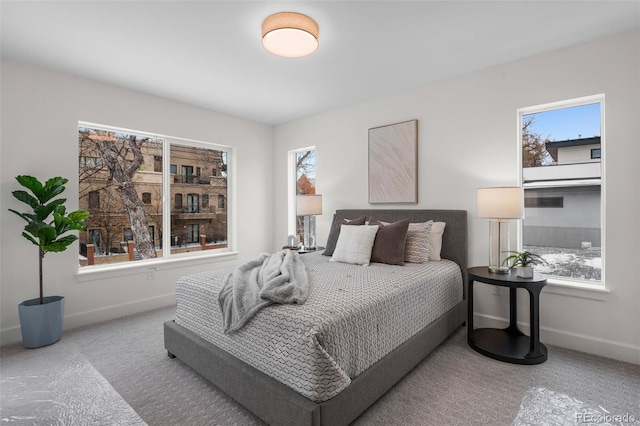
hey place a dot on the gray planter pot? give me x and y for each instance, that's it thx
(524, 271)
(41, 325)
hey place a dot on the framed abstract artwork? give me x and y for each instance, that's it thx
(393, 163)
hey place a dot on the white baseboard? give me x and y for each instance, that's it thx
(13, 335)
(566, 339)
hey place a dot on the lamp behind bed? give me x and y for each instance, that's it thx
(309, 206)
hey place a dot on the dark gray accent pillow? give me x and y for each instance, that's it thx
(390, 242)
(334, 232)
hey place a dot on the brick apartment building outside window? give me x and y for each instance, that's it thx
(121, 182)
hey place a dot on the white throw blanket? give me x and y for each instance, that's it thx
(269, 278)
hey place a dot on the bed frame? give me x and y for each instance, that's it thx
(276, 403)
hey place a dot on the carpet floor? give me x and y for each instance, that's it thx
(453, 385)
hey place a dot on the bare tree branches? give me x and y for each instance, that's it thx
(121, 156)
(534, 151)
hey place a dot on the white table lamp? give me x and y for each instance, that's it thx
(309, 206)
(499, 204)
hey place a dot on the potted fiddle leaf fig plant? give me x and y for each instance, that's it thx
(48, 224)
(523, 261)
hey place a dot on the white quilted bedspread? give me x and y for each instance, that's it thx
(355, 315)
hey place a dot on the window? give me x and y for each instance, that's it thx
(305, 181)
(193, 203)
(91, 162)
(193, 233)
(114, 161)
(187, 174)
(94, 200)
(562, 179)
(214, 172)
(209, 222)
(532, 201)
(221, 201)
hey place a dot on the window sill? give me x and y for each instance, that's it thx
(576, 289)
(129, 268)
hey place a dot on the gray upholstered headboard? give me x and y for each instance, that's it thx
(454, 239)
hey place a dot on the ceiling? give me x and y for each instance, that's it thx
(209, 53)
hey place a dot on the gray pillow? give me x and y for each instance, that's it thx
(390, 242)
(334, 232)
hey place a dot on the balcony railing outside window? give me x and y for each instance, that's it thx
(192, 179)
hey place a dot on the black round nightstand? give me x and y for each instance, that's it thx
(508, 344)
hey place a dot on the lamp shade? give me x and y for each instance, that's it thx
(308, 205)
(290, 34)
(505, 202)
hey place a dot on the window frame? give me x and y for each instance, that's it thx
(194, 257)
(571, 283)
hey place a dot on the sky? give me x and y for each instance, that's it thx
(568, 123)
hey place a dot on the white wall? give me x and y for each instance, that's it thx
(40, 114)
(577, 154)
(468, 139)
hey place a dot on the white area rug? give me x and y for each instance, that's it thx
(71, 393)
(541, 406)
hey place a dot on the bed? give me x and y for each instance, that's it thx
(347, 377)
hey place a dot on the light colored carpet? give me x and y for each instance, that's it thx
(454, 385)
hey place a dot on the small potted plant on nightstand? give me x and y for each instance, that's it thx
(41, 318)
(523, 261)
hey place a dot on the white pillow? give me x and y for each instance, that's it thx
(416, 248)
(354, 244)
(435, 240)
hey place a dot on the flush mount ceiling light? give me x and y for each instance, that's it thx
(290, 34)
